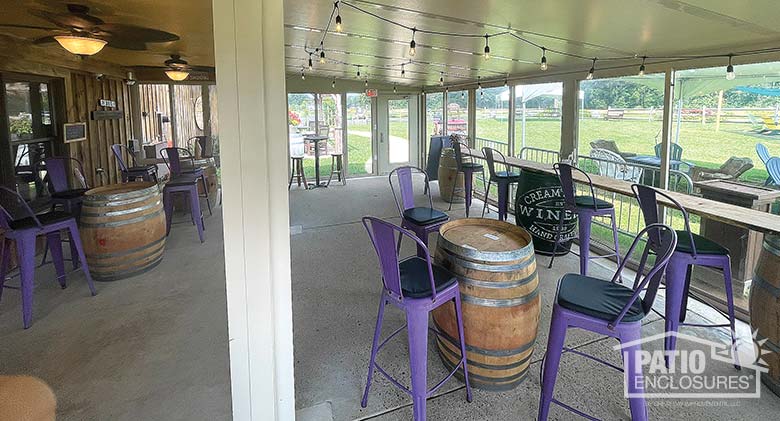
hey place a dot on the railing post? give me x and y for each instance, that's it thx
(666, 136)
(511, 116)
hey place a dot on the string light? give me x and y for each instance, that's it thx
(479, 87)
(338, 18)
(366, 83)
(395, 91)
(592, 70)
(358, 72)
(730, 75)
(506, 80)
(403, 71)
(441, 79)
(303, 75)
(413, 45)
(310, 63)
(322, 54)
(462, 94)
(543, 62)
(642, 67)
(487, 48)
(333, 84)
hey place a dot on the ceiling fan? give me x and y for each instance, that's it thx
(84, 34)
(179, 69)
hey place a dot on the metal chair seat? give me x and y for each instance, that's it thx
(414, 278)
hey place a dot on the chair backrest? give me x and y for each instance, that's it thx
(609, 145)
(490, 157)
(324, 131)
(565, 173)
(118, 150)
(647, 197)
(172, 157)
(383, 237)
(675, 149)
(614, 166)
(405, 183)
(667, 241)
(773, 168)
(459, 144)
(736, 166)
(57, 172)
(762, 152)
(13, 207)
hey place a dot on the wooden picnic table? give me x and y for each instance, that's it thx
(727, 213)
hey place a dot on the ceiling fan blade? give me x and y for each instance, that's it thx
(45, 40)
(138, 33)
(125, 44)
(68, 20)
(206, 69)
(17, 26)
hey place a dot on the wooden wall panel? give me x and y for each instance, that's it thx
(185, 97)
(154, 98)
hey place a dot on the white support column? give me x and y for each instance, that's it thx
(569, 117)
(666, 133)
(472, 117)
(444, 116)
(250, 62)
(511, 117)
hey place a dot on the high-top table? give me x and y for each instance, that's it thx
(316, 139)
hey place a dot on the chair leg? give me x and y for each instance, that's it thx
(372, 360)
(675, 281)
(503, 193)
(168, 206)
(417, 329)
(551, 361)
(206, 193)
(730, 303)
(75, 239)
(487, 192)
(633, 372)
(584, 231)
(467, 187)
(25, 251)
(54, 241)
(74, 255)
(340, 166)
(462, 340)
(332, 168)
(196, 213)
(615, 236)
(557, 237)
(5, 255)
(292, 175)
(452, 192)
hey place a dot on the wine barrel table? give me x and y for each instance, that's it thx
(539, 207)
(765, 307)
(496, 270)
(448, 175)
(122, 228)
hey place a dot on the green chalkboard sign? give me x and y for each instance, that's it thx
(75, 132)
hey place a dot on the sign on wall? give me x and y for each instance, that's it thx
(371, 93)
(74, 132)
(108, 103)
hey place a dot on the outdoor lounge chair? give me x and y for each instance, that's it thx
(611, 146)
(730, 170)
(614, 166)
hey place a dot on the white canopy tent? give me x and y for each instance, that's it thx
(525, 93)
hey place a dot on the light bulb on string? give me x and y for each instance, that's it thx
(310, 63)
(395, 91)
(441, 79)
(730, 75)
(486, 56)
(403, 71)
(338, 18)
(358, 72)
(591, 71)
(506, 81)
(412, 44)
(333, 84)
(479, 87)
(462, 94)
(366, 83)
(543, 62)
(303, 75)
(322, 54)
(642, 67)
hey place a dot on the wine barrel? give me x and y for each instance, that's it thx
(538, 209)
(122, 227)
(765, 308)
(209, 170)
(448, 175)
(496, 269)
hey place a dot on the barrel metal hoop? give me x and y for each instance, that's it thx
(500, 302)
(151, 190)
(490, 268)
(516, 378)
(487, 256)
(117, 203)
(126, 252)
(153, 248)
(497, 284)
(115, 276)
(483, 365)
(759, 281)
(121, 212)
(123, 222)
(488, 352)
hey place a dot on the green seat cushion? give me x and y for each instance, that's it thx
(587, 202)
(598, 298)
(703, 245)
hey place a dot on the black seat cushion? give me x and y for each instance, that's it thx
(45, 218)
(472, 166)
(703, 245)
(415, 282)
(587, 202)
(510, 175)
(147, 168)
(425, 216)
(598, 298)
(183, 180)
(69, 194)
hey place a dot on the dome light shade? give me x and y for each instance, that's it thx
(82, 46)
(177, 75)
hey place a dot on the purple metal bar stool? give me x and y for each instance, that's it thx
(586, 207)
(188, 186)
(607, 308)
(22, 226)
(172, 158)
(416, 287)
(502, 179)
(421, 220)
(692, 249)
(468, 168)
(147, 173)
(59, 186)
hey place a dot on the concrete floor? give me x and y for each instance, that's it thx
(151, 347)
(336, 287)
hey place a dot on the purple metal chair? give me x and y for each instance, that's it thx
(21, 225)
(586, 207)
(468, 167)
(502, 179)
(692, 249)
(416, 287)
(607, 308)
(62, 194)
(147, 173)
(421, 220)
(173, 157)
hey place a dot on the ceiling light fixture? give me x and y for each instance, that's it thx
(543, 63)
(486, 56)
(413, 45)
(642, 67)
(177, 75)
(83, 46)
(730, 75)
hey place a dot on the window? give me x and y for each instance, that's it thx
(360, 147)
(538, 121)
(458, 113)
(492, 121)
(434, 114)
